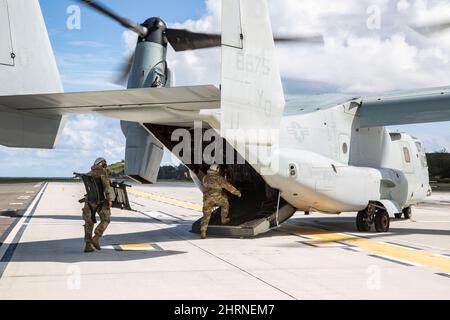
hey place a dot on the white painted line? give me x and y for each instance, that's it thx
(317, 244)
(37, 185)
(10, 238)
(442, 256)
(16, 204)
(29, 192)
(398, 260)
(23, 198)
(400, 246)
(432, 221)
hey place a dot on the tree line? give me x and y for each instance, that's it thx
(438, 166)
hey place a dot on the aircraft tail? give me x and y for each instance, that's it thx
(252, 93)
(27, 66)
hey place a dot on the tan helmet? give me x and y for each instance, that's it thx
(98, 161)
(214, 168)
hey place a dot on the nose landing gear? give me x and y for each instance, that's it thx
(374, 214)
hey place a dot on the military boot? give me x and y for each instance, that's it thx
(203, 234)
(88, 247)
(96, 242)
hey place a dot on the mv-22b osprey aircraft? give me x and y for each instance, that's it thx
(326, 153)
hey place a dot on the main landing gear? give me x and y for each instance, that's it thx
(406, 213)
(373, 215)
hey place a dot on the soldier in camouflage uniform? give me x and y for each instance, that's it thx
(104, 209)
(214, 196)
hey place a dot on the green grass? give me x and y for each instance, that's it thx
(116, 167)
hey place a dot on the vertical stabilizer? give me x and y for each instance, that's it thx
(27, 62)
(252, 92)
(27, 66)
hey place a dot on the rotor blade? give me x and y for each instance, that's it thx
(429, 29)
(300, 39)
(125, 71)
(140, 30)
(182, 40)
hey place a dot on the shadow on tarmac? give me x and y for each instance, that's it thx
(113, 219)
(347, 224)
(71, 250)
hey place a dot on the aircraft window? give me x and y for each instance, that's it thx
(419, 146)
(407, 155)
(424, 160)
(345, 148)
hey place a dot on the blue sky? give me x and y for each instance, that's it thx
(87, 60)
(380, 60)
(98, 44)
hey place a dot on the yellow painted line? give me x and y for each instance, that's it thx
(413, 256)
(136, 246)
(166, 200)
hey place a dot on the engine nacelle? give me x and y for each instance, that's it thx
(143, 153)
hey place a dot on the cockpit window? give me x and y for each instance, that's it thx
(407, 155)
(419, 146)
(422, 155)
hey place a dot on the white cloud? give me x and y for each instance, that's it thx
(89, 44)
(354, 59)
(83, 140)
(129, 40)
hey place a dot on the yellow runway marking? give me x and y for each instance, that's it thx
(413, 256)
(326, 238)
(166, 200)
(136, 246)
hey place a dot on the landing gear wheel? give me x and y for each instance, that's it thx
(382, 221)
(407, 213)
(398, 216)
(362, 222)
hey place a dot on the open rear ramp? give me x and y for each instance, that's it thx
(258, 210)
(247, 223)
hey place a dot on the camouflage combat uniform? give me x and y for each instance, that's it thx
(213, 197)
(104, 211)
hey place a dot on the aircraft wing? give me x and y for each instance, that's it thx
(409, 107)
(180, 98)
(34, 121)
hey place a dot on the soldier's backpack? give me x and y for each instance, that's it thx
(95, 192)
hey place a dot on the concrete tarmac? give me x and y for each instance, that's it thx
(14, 199)
(151, 254)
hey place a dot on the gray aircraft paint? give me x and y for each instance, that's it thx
(31, 70)
(313, 130)
(143, 152)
